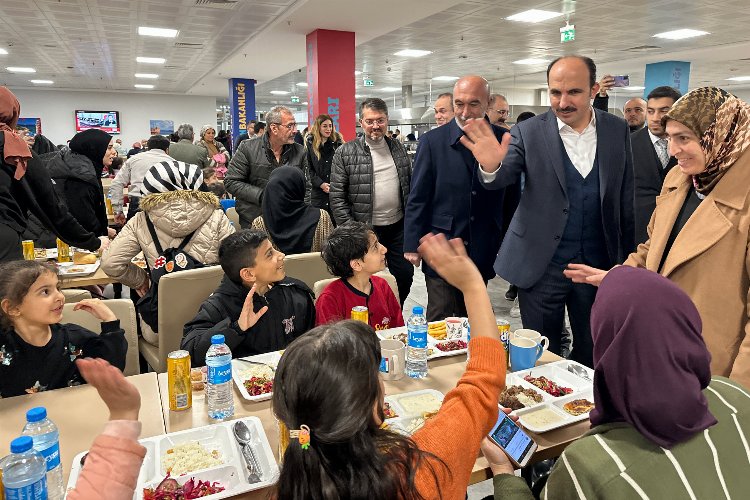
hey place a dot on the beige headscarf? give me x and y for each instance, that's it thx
(722, 123)
(15, 151)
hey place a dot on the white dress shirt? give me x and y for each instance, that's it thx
(581, 148)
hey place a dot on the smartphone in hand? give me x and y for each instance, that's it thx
(622, 81)
(512, 440)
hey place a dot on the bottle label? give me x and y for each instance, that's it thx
(52, 456)
(384, 365)
(418, 339)
(181, 401)
(219, 374)
(35, 491)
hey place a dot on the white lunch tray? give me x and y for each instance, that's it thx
(239, 369)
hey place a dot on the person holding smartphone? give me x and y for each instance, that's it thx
(662, 426)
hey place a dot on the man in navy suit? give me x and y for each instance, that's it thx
(448, 197)
(577, 205)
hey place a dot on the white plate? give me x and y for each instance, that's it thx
(232, 474)
(395, 401)
(511, 379)
(68, 270)
(562, 378)
(437, 353)
(239, 368)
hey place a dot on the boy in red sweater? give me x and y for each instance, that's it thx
(353, 253)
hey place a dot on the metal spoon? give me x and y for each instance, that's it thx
(244, 436)
(579, 371)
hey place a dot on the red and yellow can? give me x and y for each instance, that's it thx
(360, 313)
(28, 249)
(178, 378)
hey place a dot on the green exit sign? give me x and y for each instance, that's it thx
(368, 83)
(295, 99)
(567, 33)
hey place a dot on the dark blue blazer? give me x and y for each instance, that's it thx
(539, 221)
(447, 197)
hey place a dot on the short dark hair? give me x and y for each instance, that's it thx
(258, 126)
(586, 60)
(525, 116)
(158, 142)
(238, 251)
(375, 104)
(664, 91)
(446, 94)
(347, 242)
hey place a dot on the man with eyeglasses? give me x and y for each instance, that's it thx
(448, 197)
(370, 179)
(254, 160)
(499, 111)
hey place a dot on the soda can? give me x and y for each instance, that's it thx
(178, 377)
(503, 328)
(110, 210)
(28, 249)
(63, 251)
(360, 313)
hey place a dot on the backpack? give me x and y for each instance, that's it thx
(171, 260)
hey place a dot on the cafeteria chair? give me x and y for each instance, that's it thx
(307, 267)
(180, 296)
(73, 295)
(322, 284)
(125, 312)
(234, 217)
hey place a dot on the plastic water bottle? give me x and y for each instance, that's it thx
(416, 351)
(46, 439)
(24, 471)
(219, 380)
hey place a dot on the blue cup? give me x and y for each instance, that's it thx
(524, 353)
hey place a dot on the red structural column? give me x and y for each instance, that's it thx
(330, 78)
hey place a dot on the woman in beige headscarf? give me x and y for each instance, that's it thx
(217, 153)
(700, 230)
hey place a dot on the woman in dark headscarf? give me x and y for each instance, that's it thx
(292, 225)
(700, 230)
(77, 174)
(25, 187)
(661, 427)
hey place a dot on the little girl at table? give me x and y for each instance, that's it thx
(37, 352)
(328, 392)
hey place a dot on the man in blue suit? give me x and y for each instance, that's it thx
(448, 197)
(577, 205)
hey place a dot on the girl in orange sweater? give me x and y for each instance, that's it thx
(328, 382)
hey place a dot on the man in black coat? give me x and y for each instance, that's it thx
(651, 160)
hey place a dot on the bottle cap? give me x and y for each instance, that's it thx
(36, 414)
(417, 310)
(21, 444)
(217, 339)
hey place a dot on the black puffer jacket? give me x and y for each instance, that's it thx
(249, 169)
(352, 178)
(320, 170)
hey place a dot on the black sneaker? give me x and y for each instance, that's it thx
(512, 293)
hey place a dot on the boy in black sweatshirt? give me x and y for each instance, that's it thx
(257, 307)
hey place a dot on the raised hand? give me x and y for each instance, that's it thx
(120, 396)
(96, 308)
(480, 139)
(248, 317)
(449, 260)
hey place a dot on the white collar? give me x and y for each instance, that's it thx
(592, 124)
(654, 138)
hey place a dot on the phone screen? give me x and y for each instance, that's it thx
(622, 81)
(511, 438)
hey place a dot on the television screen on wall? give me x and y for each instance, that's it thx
(109, 121)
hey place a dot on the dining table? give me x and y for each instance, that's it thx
(80, 415)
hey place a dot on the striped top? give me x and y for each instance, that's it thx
(614, 461)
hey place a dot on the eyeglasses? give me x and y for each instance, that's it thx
(379, 121)
(502, 112)
(289, 126)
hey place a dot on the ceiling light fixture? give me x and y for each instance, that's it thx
(357, 73)
(305, 103)
(3, 51)
(279, 92)
(680, 34)
(42, 82)
(534, 16)
(630, 88)
(162, 32)
(302, 84)
(16, 69)
(390, 89)
(151, 76)
(445, 78)
(530, 61)
(357, 96)
(150, 60)
(143, 86)
(412, 53)
(739, 79)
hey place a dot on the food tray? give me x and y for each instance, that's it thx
(433, 352)
(394, 401)
(239, 369)
(232, 474)
(552, 405)
(68, 270)
(513, 379)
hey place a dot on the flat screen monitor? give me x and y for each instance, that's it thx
(109, 121)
